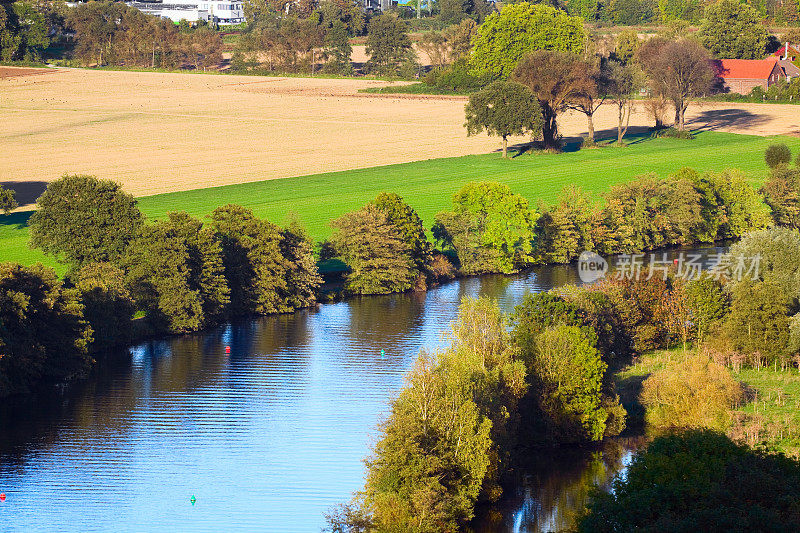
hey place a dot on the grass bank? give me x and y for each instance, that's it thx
(771, 413)
(429, 185)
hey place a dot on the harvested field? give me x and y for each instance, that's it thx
(18, 72)
(158, 132)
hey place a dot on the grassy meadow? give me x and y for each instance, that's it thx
(428, 185)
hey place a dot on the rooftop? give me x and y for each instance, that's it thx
(750, 69)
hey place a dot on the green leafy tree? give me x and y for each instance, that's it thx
(567, 373)
(505, 37)
(699, 477)
(406, 219)
(388, 45)
(733, 30)
(44, 338)
(491, 229)
(709, 304)
(568, 227)
(503, 108)
(24, 32)
(776, 250)
(337, 49)
(81, 220)
(758, 321)
(375, 250)
(626, 46)
(303, 279)
(782, 193)
(8, 200)
(108, 304)
(255, 268)
(175, 271)
(559, 80)
(672, 11)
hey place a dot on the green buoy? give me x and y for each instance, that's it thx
(193, 499)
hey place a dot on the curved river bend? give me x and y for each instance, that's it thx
(266, 438)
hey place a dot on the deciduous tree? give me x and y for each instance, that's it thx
(732, 30)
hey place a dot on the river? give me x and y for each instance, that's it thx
(264, 438)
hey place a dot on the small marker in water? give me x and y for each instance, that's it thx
(383, 354)
(227, 349)
(193, 499)
(2, 496)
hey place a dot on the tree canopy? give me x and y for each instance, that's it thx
(733, 30)
(505, 37)
(503, 108)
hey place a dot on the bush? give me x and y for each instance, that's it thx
(777, 155)
(81, 219)
(376, 252)
(693, 392)
(673, 133)
(699, 479)
(458, 78)
(43, 335)
(490, 229)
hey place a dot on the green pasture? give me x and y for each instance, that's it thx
(429, 185)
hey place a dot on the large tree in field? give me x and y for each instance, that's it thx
(678, 70)
(503, 108)
(84, 220)
(733, 30)
(520, 28)
(620, 86)
(557, 79)
(388, 44)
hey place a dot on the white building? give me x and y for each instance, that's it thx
(222, 12)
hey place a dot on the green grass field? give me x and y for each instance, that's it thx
(429, 185)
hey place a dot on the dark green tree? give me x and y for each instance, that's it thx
(503, 108)
(8, 200)
(43, 335)
(733, 30)
(376, 252)
(699, 478)
(758, 320)
(337, 49)
(388, 45)
(175, 271)
(303, 279)
(406, 219)
(81, 220)
(255, 268)
(108, 304)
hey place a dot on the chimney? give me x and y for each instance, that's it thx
(786, 51)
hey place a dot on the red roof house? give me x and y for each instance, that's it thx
(742, 75)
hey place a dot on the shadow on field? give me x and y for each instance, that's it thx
(27, 191)
(606, 137)
(726, 118)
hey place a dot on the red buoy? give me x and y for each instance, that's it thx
(227, 349)
(2, 496)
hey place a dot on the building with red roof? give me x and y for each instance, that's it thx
(742, 75)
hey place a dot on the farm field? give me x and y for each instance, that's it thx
(428, 185)
(164, 132)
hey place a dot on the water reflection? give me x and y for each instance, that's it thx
(266, 437)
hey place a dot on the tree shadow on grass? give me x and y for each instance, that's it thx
(604, 138)
(18, 220)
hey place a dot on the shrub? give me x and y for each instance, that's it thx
(376, 252)
(777, 155)
(43, 336)
(108, 304)
(782, 193)
(693, 392)
(81, 219)
(673, 133)
(176, 274)
(490, 229)
(699, 479)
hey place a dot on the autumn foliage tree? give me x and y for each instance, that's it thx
(557, 79)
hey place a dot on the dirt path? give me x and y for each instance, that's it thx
(159, 132)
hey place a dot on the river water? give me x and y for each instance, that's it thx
(265, 438)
